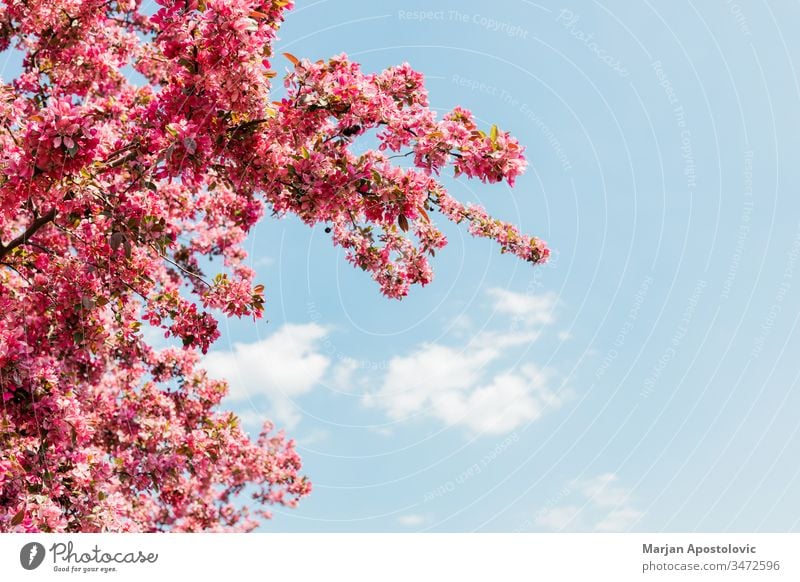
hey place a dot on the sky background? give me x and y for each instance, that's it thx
(646, 378)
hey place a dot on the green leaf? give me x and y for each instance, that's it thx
(190, 66)
(493, 134)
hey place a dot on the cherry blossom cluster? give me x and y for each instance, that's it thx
(370, 202)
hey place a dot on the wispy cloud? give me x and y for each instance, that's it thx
(533, 309)
(478, 384)
(411, 520)
(558, 518)
(618, 520)
(603, 490)
(596, 503)
(462, 385)
(277, 369)
(432, 372)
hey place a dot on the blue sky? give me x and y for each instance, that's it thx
(646, 378)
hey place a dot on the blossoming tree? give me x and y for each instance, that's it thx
(110, 192)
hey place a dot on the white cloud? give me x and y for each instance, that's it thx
(312, 437)
(558, 518)
(264, 262)
(456, 386)
(602, 505)
(602, 490)
(509, 401)
(411, 520)
(449, 384)
(619, 520)
(347, 376)
(281, 367)
(412, 380)
(459, 326)
(532, 309)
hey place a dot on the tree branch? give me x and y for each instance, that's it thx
(32, 229)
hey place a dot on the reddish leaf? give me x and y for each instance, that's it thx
(424, 214)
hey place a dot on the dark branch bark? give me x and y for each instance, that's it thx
(32, 229)
(116, 163)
